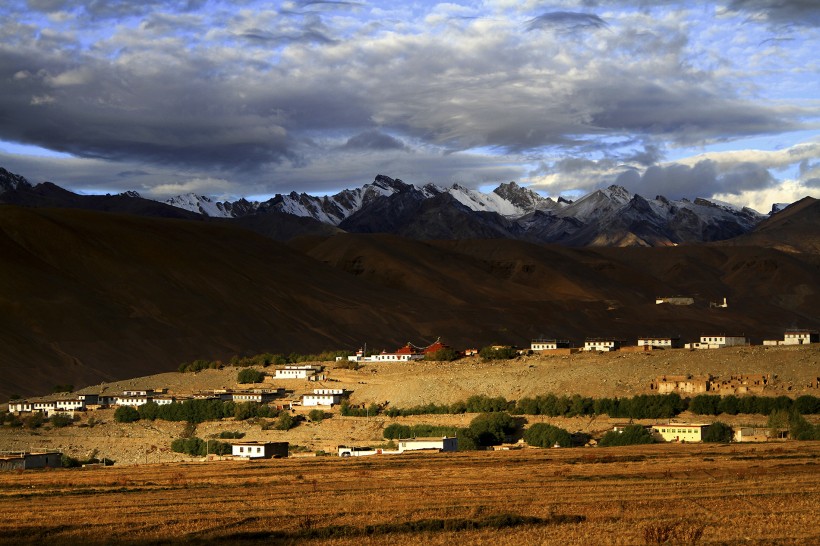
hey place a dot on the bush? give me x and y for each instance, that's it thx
(249, 375)
(718, 432)
(226, 434)
(198, 447)
(200, 364)
(60, 420)
(490, 429)
(35, 420)
(316, 415)
(396, 431)
(126, 414)
(285, 421)
(501, 353)
(446, 354)
(631, 435)
(544, 435)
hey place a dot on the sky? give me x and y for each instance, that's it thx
(249, 98)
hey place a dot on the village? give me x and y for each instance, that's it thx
(273, 391)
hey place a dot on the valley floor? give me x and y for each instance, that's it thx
(692, 494)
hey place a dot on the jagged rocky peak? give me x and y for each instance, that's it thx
(618, 193)
(387, 183)
(130, 193)
(519, 196)
(10, 181)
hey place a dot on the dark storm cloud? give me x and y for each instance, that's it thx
(704, 179)
(781, 12)
(566, 21)
(374, 140)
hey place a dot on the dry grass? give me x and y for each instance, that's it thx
(643, 495)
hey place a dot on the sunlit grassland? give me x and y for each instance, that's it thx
(734, 493)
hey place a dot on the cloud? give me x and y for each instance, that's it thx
(254, 93)
(801, 13)
(566, 21)
(374, 140)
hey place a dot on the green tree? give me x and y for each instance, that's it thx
(316, 415)
(249, 375)
(126, 414)
(490, 429)
(544, 435)
(631, 435)
(285, 421)
(445, 354)
(718, 432)
(60, 420)
(498, 353)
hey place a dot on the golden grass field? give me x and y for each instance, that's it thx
(704, 494)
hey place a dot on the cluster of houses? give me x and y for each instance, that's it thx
(701, 384)
(693, 432)
(403, 354)
(68, 404)
(648, 343)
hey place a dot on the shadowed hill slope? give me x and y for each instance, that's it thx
(89, 296)
(794, 229)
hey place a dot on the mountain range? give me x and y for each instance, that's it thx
(607, 217)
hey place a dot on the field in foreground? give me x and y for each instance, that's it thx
(761, 494)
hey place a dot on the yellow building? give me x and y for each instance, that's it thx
(678, 432)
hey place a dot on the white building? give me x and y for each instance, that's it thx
(20, 406)
(164, 400)
(677, 432)
(297, 372)
(137, 394)
(323, 397)
(801, 337)
(548, 344)
(718, 342)
(438, 444)
(675, 300)
(132, 400)
(70, 405)
(259, 450)
(660, 342)
(602, 344)
(261, 396)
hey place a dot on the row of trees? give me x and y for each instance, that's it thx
(198, 447)
(643, 406)
(708, 404)
(195, 411)
(262, 359)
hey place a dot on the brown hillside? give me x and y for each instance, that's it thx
(794, 229)
(88, 296)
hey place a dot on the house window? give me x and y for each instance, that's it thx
(259, 450)
(241, 449)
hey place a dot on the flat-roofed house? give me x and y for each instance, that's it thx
(660, 342)
(542, 344)
(261, 396)
(679, 432)
(437, 444)
(323, 397)
(259, 450)
(25, 460)
(297, 371)
(718, 342)
(801, 337)
(602, 344)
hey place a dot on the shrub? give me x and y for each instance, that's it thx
(347, 365)
(446, 354)
(226, 434)
(631, 435)
(396, 431)
(285, 421)
(60, 420)
(249, 375)
(544, 435)
(126, 414)
(316, 415)
(500, 353)
(490, 429)
(35, 420)
(718, 432)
